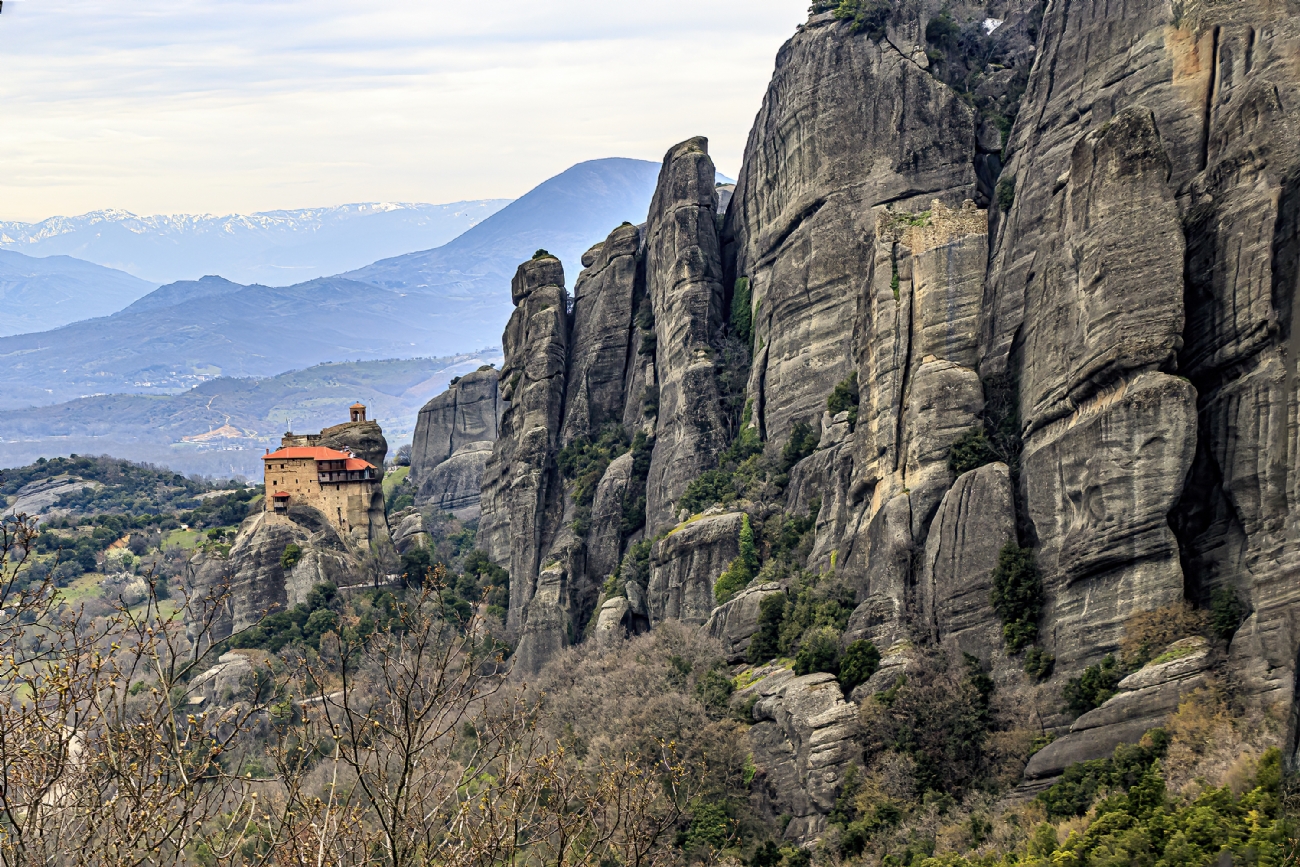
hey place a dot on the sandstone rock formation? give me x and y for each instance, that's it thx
(453, 435)
(804, 742)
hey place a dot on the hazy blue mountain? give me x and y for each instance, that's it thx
(565, 215)
(39, 294)
(222, 427)
(277, 248)
(449, 300)
(186, 333)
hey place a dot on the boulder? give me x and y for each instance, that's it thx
(975, 520)
(735, 622)
(455, 484)
(1145, 700)
(686, 564)
(804, 740)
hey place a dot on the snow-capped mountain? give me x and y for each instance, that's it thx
(274, 248)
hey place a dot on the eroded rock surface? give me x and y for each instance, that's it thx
(456, 423)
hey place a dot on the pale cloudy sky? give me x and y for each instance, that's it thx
(220, 106)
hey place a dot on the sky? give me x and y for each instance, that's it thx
(236, 106)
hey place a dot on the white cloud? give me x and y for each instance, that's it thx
(162, 106)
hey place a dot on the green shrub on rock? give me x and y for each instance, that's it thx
(860, 661)
(1095, 686)
(971, 451)
(845, 397)
(292, 554)
(818, 652)
(1017, 596)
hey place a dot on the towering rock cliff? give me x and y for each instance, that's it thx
(960, 319)
(453, 440)
(1085, 357)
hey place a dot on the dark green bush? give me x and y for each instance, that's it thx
(1079, 786)
(766, 643)
(712, 486)
(743, 569)
(942, 30)
(1227, 612)
(868, 16)
(939, 715)
(542, 254)
(1039, 663)
(860, 661)
(634, 497)
(1017, 596)
(971, 451)
(819, 651)
(742, 315)
(816, 601)
(844, 397)
(1006, 193)
(1095, 686)
(292, 554)
(802, 443)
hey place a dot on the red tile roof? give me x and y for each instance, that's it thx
(279, 495)
(297, 454)
(358, 464)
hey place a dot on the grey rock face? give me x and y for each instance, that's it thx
(685, 565)
(604, 543)
(735, 622)
(684, 280)
(466, 414)
(847, 124)
(976, 519)
(1145, 700)
(521, 482)
(1101, 486)
(603, 305)
(365, 439)
(252, 577)
(803, 745)
(455, 484)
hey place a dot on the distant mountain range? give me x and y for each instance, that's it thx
(222, 427)
(39, 294)
(444, 301)
(275, 248)
(566, 215)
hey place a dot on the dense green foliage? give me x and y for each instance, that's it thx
(971, 451)
(1081, 783)
(479, 581)
(303, 624)
(1017, 596)
(802, 443)
(542, 254)
(860, 661)
(742, 314)
(819, 651)
(127, 488)
(1095, 686)
(845, 397)
(1136, 821)
(868, 16)
(292, 554)
(634, 497)
(1227, 612)
(583, 463)
(766, 643)
(743, 569)
(1006, 193)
